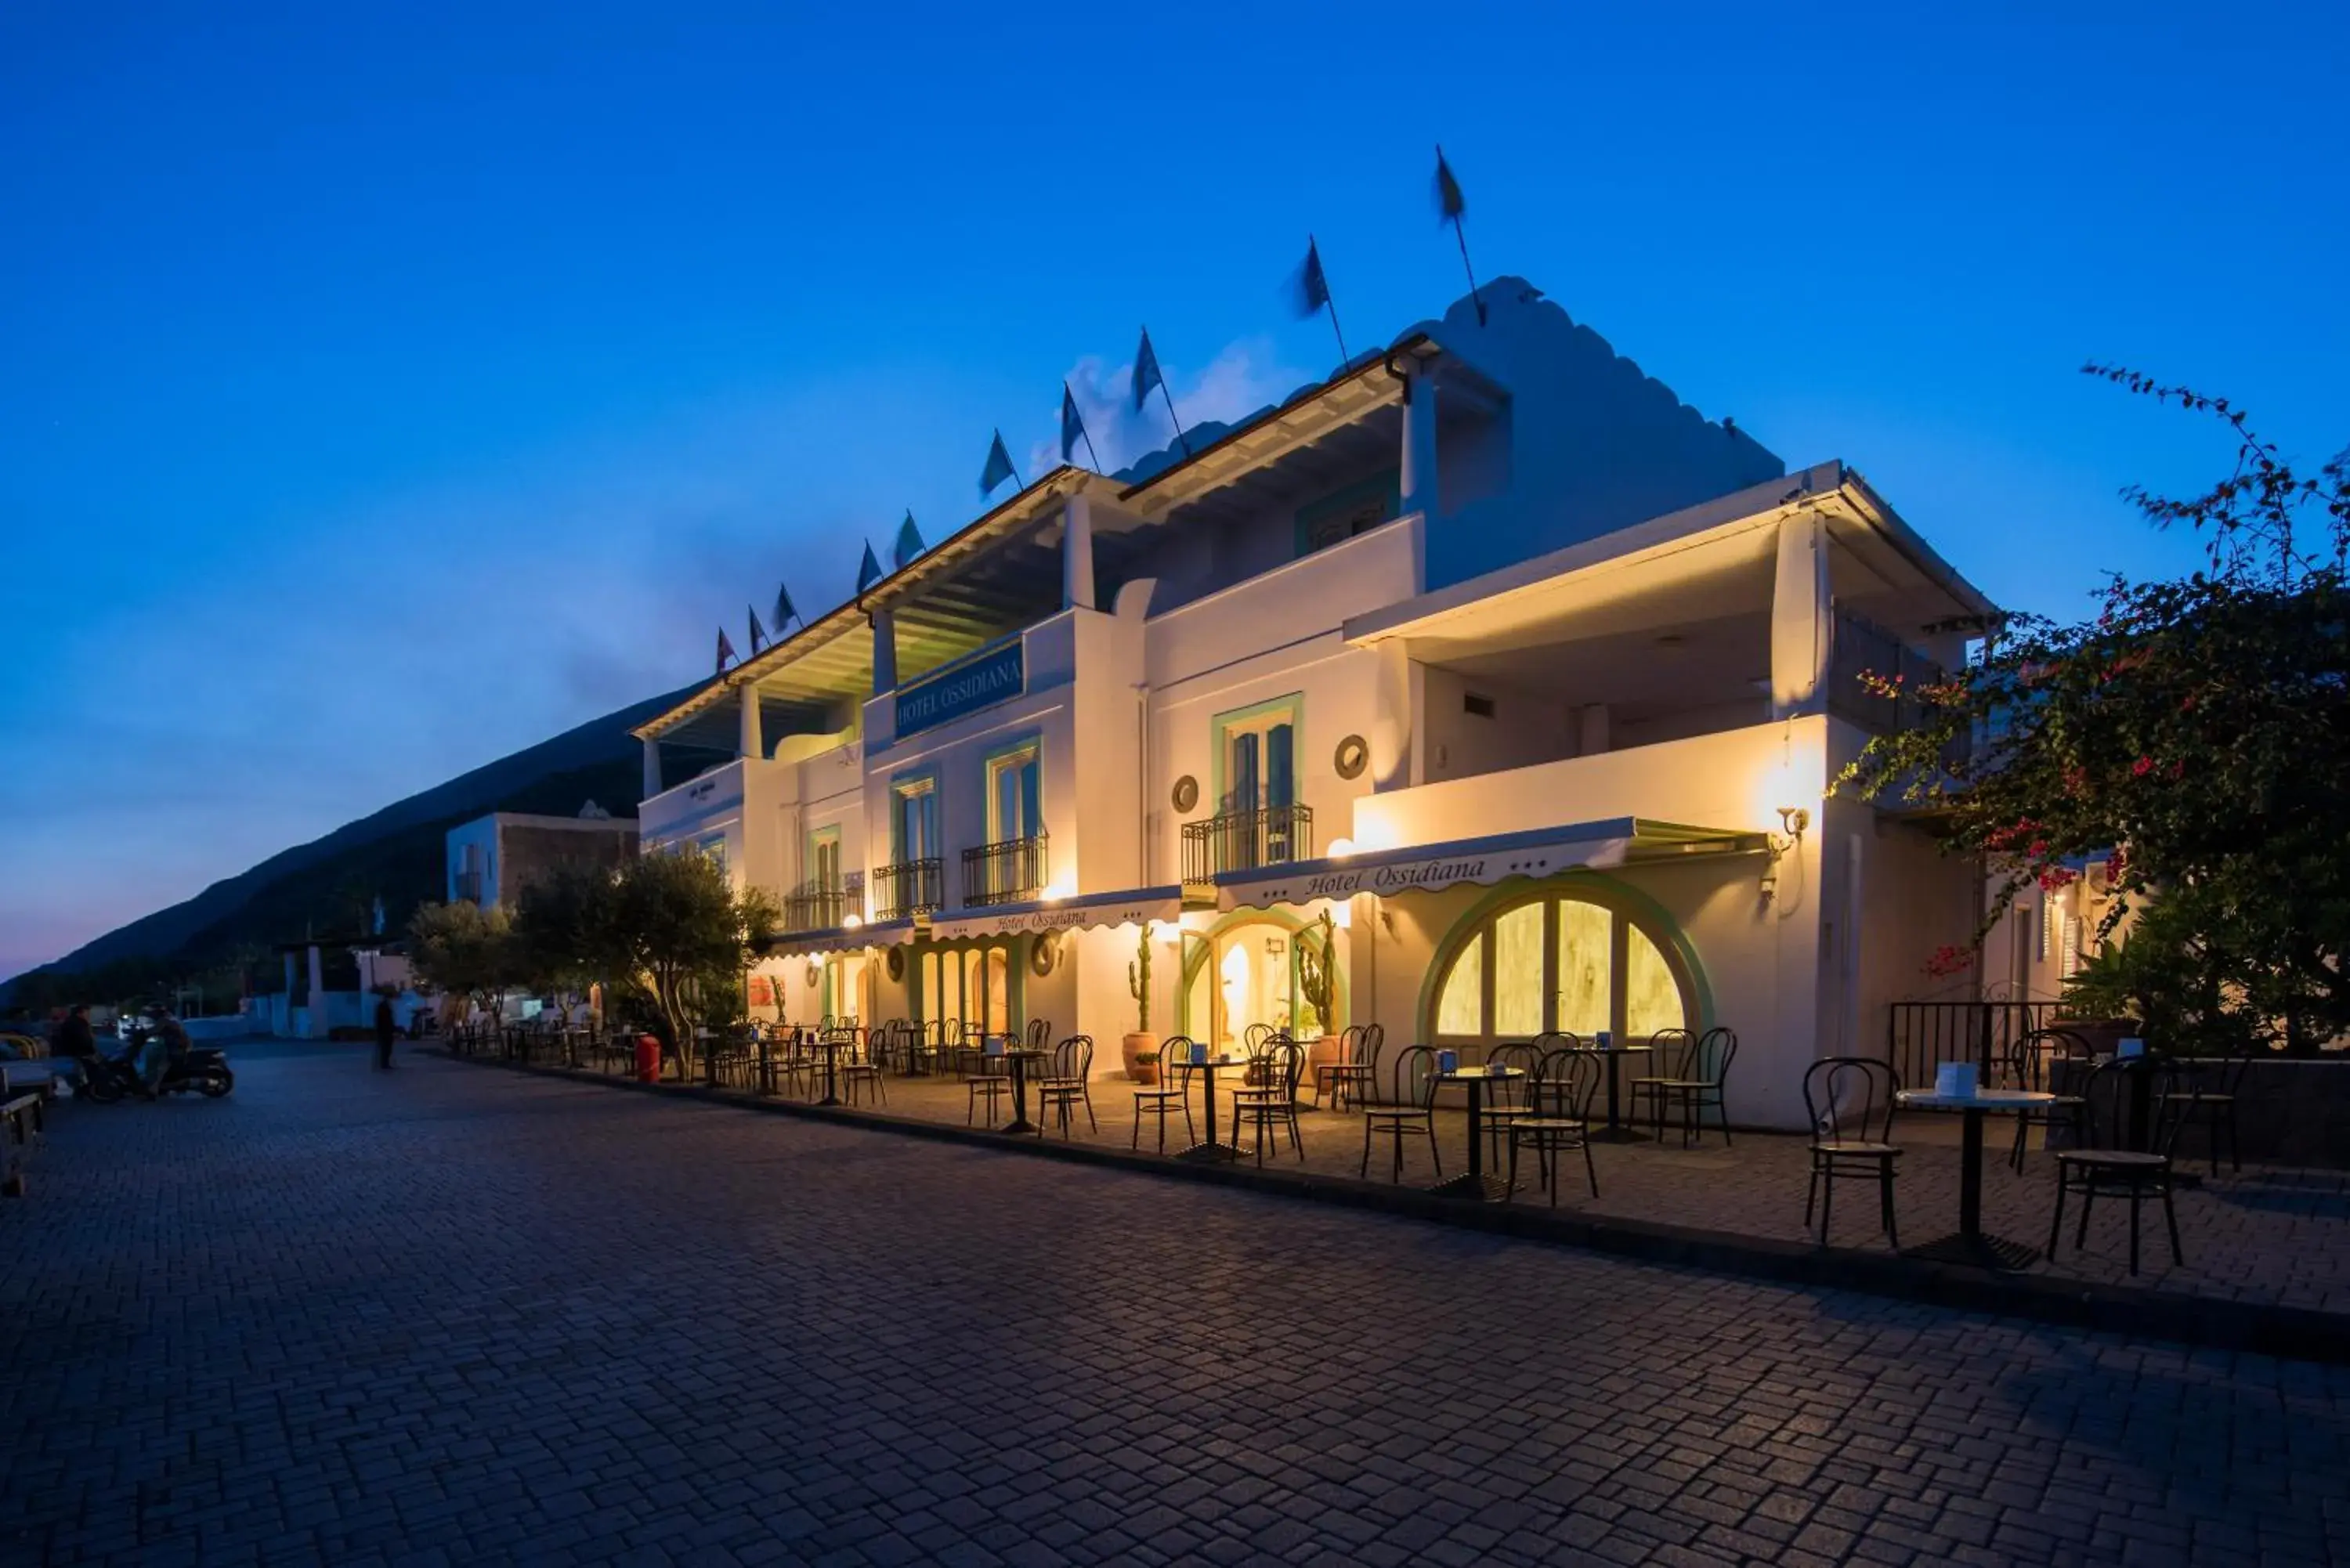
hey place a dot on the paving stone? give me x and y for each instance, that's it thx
(456, 1314)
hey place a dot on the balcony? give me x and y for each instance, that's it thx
(908, 888)
(1863, 648)
(1005, 873)
(1246, 840)
(822, 906)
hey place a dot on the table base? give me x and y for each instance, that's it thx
(1980, 1252)
(1474, 1189)
(1020, 1125)
(1208, 1154)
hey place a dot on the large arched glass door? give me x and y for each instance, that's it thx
(1559, 960)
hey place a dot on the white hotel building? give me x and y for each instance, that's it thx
(1530, 676)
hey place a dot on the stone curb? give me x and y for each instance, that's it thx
(2130, 1312)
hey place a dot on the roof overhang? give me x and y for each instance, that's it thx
(1624, 576)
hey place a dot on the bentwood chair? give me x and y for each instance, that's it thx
(2205, 1094)
(1171, 1096)
(1694, 1072)
(1273, 1102)
(1507, 1099)
(2101, 1170)
(1557, 1117)
(1068, 1083)
(1849, 1102)
(2048, 1061)
(986, 1080)
(1406, 1109)
(860, 1067)
(1336, 1077)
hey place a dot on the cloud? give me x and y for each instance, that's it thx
(1244, 376)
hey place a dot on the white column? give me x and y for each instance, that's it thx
(1419, 482)
(1395, 718)
(289, 977)
(753, 744)
(1801, 626)
(652, 779)
(885, 653)
(317, 994)
(1078, 553)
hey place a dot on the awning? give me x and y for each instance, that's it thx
(1134, 907)
(1542, 852)
(838, 938)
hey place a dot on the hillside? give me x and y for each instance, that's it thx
(396, 852)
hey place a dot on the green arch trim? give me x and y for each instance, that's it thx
(1612, 893)
(1198, 945)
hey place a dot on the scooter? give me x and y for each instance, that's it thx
(202, 1069)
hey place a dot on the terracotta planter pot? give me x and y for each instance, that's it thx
(1127, 1049)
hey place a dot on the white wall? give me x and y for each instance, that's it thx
(1761, 959)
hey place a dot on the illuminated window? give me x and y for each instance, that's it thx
(1564, 962)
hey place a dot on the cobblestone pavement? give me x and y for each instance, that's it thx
(2267, 1235)
(459, 1314)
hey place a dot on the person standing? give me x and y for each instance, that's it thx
(385, 1030)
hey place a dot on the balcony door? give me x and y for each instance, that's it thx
(1257, 750)
(914, 821)
(1015, 801)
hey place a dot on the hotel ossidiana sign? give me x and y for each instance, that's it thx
(966, 688)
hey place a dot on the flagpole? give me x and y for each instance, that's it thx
(1180, 436)
(1331, 300)
(1460, 233)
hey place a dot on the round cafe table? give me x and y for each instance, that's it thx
(1616, 1131)
(1971, 1243)
(1018, 1057)
(1208, 1152)
(1477, 1186)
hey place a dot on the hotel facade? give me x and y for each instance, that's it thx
(1486, 677)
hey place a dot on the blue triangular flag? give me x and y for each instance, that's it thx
(1073, 423)
(784, 611)
(999, 466)
(758, 632)
(868, 571)
(909, 542)
(725, 651)
(1312, 287)
(1146, 369)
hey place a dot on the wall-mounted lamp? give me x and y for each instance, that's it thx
(1795, 819)
(1341, 847)
(851, 920)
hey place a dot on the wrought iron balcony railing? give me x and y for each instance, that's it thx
(1244, 840)
(908, 888)
(822, 906)
(1005, 873)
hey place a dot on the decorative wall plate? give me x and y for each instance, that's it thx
(896, 964)
(1043, 953)
(1187, 792)
(1353, 755)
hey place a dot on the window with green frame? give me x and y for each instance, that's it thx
(823, 862)
(1256, 754)
(1016, 791)
(1561, 960)
(914, 819)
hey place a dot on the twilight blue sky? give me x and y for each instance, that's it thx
(385, 389)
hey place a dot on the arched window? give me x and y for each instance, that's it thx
(1560, 961)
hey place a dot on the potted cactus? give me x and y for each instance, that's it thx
(1317, 985)
(1140, 1049)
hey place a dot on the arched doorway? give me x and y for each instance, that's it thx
(1576, 953)
(1244, 971)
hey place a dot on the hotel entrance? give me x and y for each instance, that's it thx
(1245, 972)
(968, 985)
